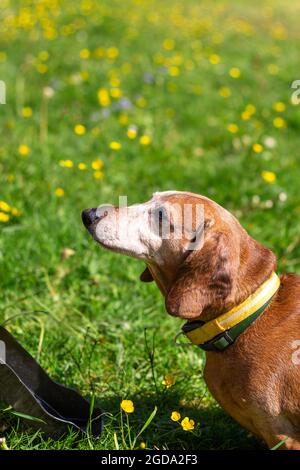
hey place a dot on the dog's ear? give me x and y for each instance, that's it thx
(206, 277)
(146, 276)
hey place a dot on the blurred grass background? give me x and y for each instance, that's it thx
(108, 98)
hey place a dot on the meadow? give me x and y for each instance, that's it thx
(108, 98)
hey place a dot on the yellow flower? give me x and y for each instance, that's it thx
(43, 55)
(4, 206)
(97, 164)
(141, 102)
(84, 74)
(279, 122)
(235, 72)
(123, 119)
(27, 112)
(273, 69)
(131, 132)
(82, 166)
(79, 129)
(142, 445)
(103, 97)
(115, 82)
(188, 424)
(116, 92)
(169, 380)
(4, 217)
(15, 212)
(251, 109)
(127, 406)
(224, 92)
(245, 116)
(169, 44)
(257, 148)
(174, 71)
(95, 131)
(42, 68)
(66, 163)
(175, 416)
(268, 176)
(85, 53)
(98, 175)
(214, 59)
(59, 192)
(279, 107)
(23, 150)
(233, 128)
(112, 52)
(99, 52)
(115, 145)
(145, 140)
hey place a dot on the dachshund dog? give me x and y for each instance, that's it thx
(208, 266)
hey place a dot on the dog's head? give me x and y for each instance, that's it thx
(201, 258)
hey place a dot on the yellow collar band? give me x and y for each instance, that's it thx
(255, 303)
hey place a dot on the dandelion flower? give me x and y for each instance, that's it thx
(224, 92)
(279, 107)
(123, 119)
(85, 53)
(4, 206)
(59, 192)
(42, 68)
(233, 128)
(43, 55)
(279, 122)
(145, 140)
(97, 164)
(235, 72)
(127, 406)
(141, 102)
(214, 59)
(175, 416)
(132, 132)
(66, 163)
(103, 97)
(27, 112)
(23, 150)
(98, 175)
(273, 69)
(257, 148)
(115, 145)
(174, 71)
(82, 166)
(116, 92)
(169, 44)
(188, 424)
(112, 52)
(268, 176)
(15, 212)
(169, 380)
(79, 129)
(4, 217)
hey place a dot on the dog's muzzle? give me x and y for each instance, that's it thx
(89, 217)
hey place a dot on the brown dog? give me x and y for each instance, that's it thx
(211, 268)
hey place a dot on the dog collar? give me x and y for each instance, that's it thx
(218, 334)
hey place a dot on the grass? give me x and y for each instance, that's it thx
(84, 317)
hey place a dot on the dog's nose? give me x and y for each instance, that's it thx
(88, 216)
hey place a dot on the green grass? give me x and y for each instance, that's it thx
(84, 318)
